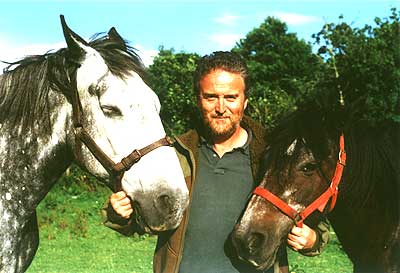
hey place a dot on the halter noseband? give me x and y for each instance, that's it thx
(117, 170)
(319, 203)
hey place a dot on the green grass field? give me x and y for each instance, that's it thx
(73, 239)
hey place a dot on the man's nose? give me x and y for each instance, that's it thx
(221, 105)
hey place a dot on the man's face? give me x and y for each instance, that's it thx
(222, 102)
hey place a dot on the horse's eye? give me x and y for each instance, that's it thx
(308, 168)
(111, 111)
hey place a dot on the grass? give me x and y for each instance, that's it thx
(73, 238)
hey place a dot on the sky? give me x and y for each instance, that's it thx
(192, 26)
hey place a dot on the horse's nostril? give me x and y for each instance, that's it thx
(163, 203)
(255, 242)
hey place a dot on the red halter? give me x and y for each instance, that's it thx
(318, 203)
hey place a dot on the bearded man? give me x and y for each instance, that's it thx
(221, 162)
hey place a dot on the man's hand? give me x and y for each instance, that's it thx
(301, 238)
(121, 204)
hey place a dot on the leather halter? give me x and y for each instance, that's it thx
(320, 202)
(116, 170)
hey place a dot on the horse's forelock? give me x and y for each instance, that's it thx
(120, 59)
(304, 126)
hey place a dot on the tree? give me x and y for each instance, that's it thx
(365, 66)
(171, 77)
(282, 70)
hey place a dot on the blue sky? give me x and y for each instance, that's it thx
(33, 27)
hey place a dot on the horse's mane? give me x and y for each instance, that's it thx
(372, 151)
(25, 84)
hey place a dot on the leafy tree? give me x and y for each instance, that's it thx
(282, 70)
(172, 79)
(365, 66)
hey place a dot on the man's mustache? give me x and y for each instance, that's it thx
(220, 116)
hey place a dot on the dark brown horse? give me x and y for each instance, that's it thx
(301, 162)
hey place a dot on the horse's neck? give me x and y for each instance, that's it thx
(29, 167)
(365, 228)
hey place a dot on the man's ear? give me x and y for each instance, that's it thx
(245, 103)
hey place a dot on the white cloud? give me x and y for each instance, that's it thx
(147, 55)
(227, 19)
(294, 18)
(225, 41)
(10, 52)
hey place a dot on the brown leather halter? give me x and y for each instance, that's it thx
(116, 170)
(319, 203)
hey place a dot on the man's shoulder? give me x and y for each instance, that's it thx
(189, 139)
(188, 135)
(257, 129)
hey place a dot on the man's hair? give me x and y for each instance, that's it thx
(225, 60)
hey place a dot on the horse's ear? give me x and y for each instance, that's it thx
(113, 35)
(74, 42)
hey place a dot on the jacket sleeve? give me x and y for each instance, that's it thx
(112, 220)
(322, 230)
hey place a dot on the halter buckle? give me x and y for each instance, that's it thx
(133, 158)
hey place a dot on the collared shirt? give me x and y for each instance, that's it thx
(220, 195)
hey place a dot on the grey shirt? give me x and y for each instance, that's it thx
(222, 189)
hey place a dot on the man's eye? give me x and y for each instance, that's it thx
(111, 111)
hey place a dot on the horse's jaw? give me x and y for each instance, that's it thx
(158, 190)
(254, 248)
(259, 234)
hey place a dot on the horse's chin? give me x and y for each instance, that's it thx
(154, 227)
(265, 265)
(262, 264)
(259, 262)
(153, 230)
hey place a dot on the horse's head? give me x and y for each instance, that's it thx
(120, 113)
(300, 161)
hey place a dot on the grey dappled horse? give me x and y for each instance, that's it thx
(87, 104)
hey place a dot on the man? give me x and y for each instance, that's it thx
(221, 160)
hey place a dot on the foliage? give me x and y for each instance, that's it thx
(367, 63)
(172, 79)
(362, 62)
(73, 185)
(282, 70)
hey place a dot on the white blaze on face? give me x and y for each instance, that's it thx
(291, 148)
(288, 195)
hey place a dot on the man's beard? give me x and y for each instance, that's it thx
(216, 130)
